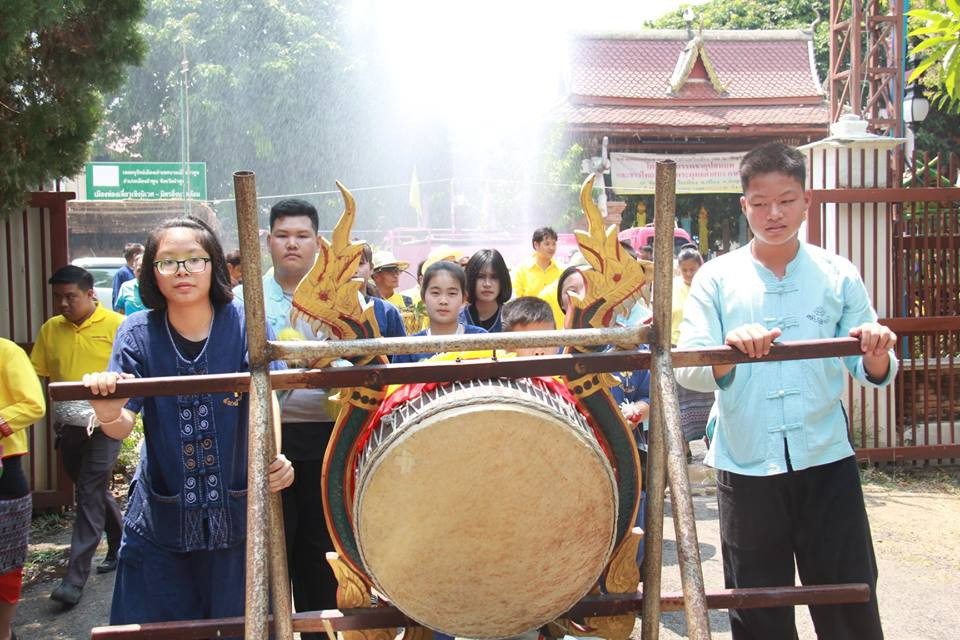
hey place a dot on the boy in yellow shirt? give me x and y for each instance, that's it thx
(540, 270)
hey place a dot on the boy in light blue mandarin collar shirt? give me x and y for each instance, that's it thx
(788, 484)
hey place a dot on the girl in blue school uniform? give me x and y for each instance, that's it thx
(182, 551)
(443, 292)
(488, 288)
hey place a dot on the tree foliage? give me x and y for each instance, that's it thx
(56, 59)
(269, 90)
(769, 14)
(938, 52)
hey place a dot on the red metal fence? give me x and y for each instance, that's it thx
(905, 239)
(33, 242)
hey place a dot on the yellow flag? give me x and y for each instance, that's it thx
(415, 200)
(704, 232)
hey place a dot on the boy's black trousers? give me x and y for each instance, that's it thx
(815, 517)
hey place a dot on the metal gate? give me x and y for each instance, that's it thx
(906, 242)
(33, 243)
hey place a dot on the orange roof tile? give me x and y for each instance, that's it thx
(815, 115)
(750, 64)
(766, 77)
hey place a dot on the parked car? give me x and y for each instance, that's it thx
(643, 236)
(103, 270)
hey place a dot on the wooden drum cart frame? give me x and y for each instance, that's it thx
(611, 615)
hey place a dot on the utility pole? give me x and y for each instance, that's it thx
(185, 127)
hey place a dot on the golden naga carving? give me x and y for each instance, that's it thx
(327, 303)
(623, 576)
(614, 274)
(352, 593)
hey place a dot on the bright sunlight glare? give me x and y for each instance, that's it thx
(480, 64)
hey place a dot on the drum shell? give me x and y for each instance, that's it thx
(485, 510)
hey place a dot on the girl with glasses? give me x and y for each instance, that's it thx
(182, 552)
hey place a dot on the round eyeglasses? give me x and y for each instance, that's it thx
(170, 266)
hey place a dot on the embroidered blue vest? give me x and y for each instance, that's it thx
(189, 491)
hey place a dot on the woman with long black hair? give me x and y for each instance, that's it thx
(488, 288)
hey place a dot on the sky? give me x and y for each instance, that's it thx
(489, 75)
(478, 65)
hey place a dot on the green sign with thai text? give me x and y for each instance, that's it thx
(145, 181)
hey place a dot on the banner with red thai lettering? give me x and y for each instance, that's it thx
(635, 173)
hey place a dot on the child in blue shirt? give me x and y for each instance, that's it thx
(443, 292)
(788, 486)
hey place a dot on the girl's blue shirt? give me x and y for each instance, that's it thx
(189, 489)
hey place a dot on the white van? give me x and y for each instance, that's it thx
(102, 270)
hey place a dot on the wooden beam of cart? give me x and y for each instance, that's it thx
(316, 349)
(591, 606)
(570, 365)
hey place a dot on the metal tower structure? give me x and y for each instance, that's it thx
(866, 62)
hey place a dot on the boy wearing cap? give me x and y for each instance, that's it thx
(386, 275)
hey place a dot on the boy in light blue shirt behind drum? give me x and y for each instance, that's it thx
(788, 486)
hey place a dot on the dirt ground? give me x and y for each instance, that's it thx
(916, 532)
(916, 536)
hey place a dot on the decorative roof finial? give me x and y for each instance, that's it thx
(688, 17)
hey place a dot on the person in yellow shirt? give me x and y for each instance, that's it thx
(77, 341)
(21, 404)
(689, 261)
(695, 406)
(386, 275)
(540, 270)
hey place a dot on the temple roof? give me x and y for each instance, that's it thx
(708, 79)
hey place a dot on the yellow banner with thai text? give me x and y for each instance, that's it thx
(635, 173)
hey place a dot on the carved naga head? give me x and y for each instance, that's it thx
(614, 280)
(327, 303)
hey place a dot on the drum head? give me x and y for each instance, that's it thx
(487, 519)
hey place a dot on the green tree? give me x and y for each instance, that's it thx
(769, 14)
(561, 178)
(938, 52)
(939, 134)
(56, 59)
(270, 89)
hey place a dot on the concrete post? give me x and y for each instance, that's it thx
(851, 158)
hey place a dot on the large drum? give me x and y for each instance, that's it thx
(484, 509)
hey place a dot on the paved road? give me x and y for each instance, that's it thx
(40, 618)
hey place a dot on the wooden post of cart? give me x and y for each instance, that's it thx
(666, 449)
(266, 552)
